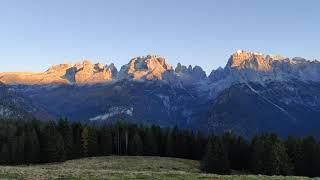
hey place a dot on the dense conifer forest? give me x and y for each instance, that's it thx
(30, 142)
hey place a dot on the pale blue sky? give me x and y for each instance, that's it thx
(37, 33)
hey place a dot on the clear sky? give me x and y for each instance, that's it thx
(37, 33)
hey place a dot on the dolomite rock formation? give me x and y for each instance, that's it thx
(242, 66)
(80, 73)
(248, 66)
(190, 74)
(150, 67)
(87, 73)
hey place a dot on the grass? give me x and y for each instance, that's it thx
(122, 167)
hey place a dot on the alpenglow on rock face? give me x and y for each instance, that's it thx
(242, 66)
(253, 93)
(93, 73)
(248, 66)
(150, 67)
(80, 73)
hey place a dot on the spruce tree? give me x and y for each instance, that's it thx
(32, 147)
(92, 141)
(14, 149)
(311, 157)
(52, 144)
(237, 149)
(84, 141)
(67, 134)
(136, 145)
(77, 141)
(170, 144)
(106, 141)
(269, 156)
(295, 153)
(200, 147)
(118, 137)
(4, 154)
(216, 158)
(150, 143)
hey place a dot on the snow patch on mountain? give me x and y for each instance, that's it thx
(242, 67)
(5, 112)
(113, 111)
(165, 100)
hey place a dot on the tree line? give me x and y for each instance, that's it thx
(28, 142)
(264, 154)
(25, 142)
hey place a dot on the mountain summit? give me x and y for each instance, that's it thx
(250, 66)
(241, 66)
(81, 73)
(149, 67)
(252, 60)
(253, 93)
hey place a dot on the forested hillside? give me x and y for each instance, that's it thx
(25, 142)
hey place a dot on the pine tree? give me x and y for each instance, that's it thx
(170, 144)
(52, 144)
(200, 147)
(77, 141)
(311, 157)
(216, 158)
(182, 147)
(84, 141)
(150, 143)
(241, 154)
(32, 147)
(269, 156)
(118, 137)
(92, 141)
(136, 146)
(4, 154)
(14, 149)
(67, 134)
(237, 149)
(106, 141)
(294, 151)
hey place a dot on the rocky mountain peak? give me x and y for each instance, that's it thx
(80, 73)
(190, 74)
(59, 68)
(146, 67)
(243, 59)
(217, 74)
(256, 67)
(242, 66)
(180, 68)
(87, 72)
(253, 60)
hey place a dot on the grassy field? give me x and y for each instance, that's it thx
(120, 167)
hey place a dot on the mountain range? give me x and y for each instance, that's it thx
(253, 93)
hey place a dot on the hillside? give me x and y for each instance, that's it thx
(120, 167)
(253, 93)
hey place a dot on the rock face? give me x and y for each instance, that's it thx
(248, 66)
(80, 73)
(87, 73)
(285, 108)
(151, 67)
(253, 93)
(216, 75)
(248, 60)
(190, 74)
(16, 106)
